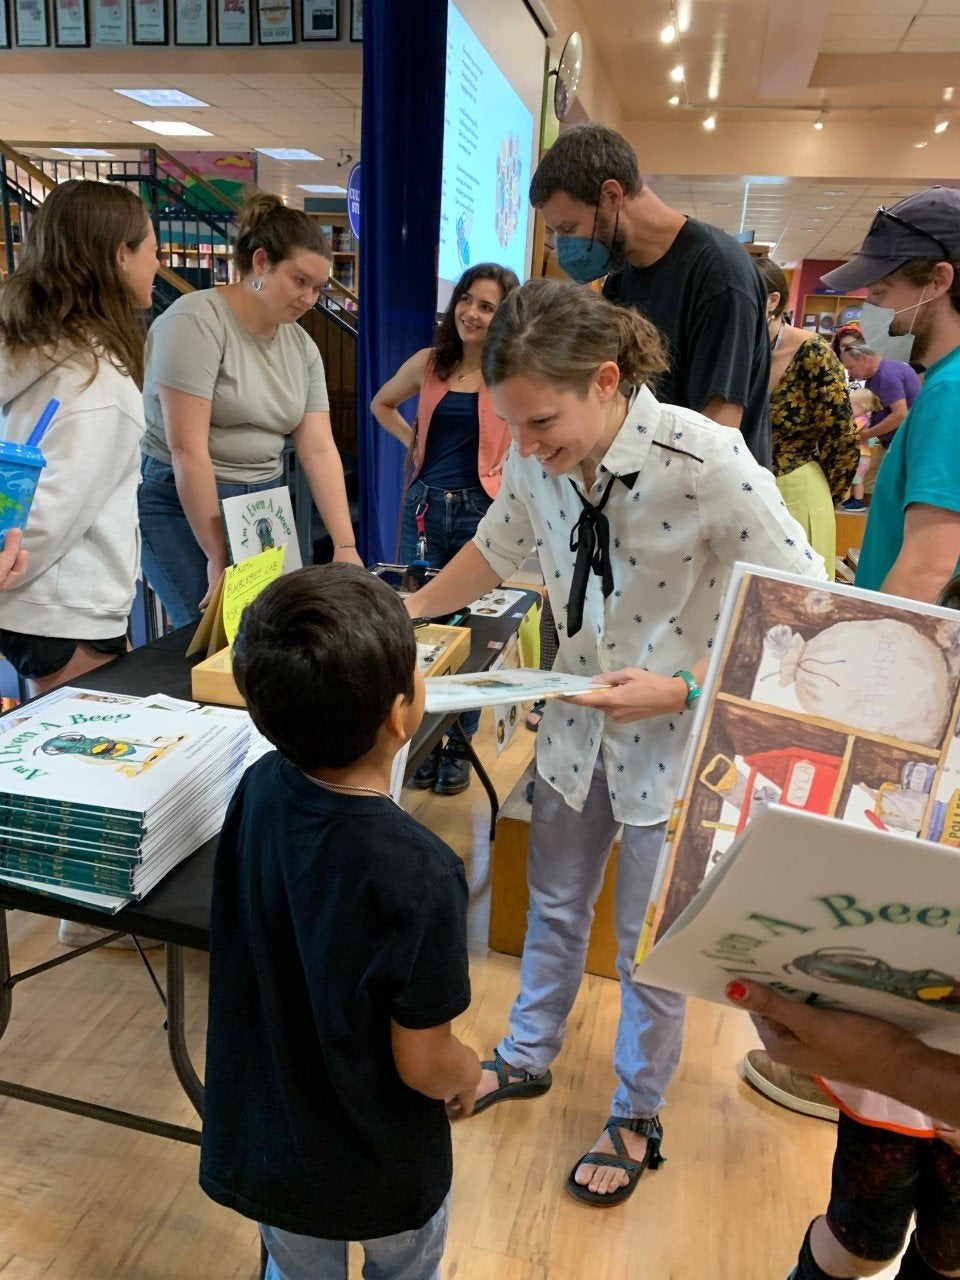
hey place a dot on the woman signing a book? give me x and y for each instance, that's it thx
(638, 511)
(457, 449)
(230, 375)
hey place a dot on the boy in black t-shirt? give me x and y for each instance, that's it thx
(338, 949)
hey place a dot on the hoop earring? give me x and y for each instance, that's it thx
(257, 286)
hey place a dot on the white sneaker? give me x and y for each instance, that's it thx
(73, 934)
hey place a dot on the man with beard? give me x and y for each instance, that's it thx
(910, 265)
(692, 280)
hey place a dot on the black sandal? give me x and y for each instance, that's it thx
(511, 1083)
(650, 1129)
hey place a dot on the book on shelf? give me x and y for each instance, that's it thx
(832, 712)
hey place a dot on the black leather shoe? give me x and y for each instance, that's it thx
(453, 776)
(424, 777)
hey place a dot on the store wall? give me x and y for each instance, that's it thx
(806, 279)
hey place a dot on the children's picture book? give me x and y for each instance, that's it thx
(102, 794)
(485, 689)
(255, 522)
(821, 698)
(833, 914)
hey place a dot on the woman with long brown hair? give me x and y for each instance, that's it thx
(457, 452)
(71, 329)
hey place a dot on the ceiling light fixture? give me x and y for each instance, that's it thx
(674, 101)
(823, 206)
(326, 189)
(676, 75)
(81, 153)
(918, 146)
(288, 153)
(668, 34)
(710, 123)
(948, 94)
(173, 128)
(942, 123)
(820, 120)
(162, 97)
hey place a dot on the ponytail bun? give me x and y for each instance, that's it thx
(266, 223)
(640, 350)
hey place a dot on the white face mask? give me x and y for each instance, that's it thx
(875, 324)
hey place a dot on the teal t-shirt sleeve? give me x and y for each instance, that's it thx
(932, 476)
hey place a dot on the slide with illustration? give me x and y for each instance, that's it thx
(487, 149)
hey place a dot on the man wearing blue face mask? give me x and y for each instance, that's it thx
(692, 280)
(910, 265)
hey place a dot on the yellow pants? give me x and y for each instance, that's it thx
(807, 496)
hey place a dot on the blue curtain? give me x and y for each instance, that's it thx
(401, 147)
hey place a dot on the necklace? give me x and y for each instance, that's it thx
(349, 786)
(461, 377)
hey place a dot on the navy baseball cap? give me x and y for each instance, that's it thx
(926, 225)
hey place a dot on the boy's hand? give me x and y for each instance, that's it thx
(461, 1104)
(636, 695)
(951, 1137)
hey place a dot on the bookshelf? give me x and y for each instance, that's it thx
(825, 311)
(344, 249)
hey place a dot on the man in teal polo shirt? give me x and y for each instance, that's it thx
(910, 265)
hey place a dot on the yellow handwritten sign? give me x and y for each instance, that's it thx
(243, 582)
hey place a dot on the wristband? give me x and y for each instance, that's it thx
(344, 546)
(693, 689)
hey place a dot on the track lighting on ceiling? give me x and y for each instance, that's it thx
(676, 75)
(820, 121)
(942, 123)
(668, 34)
(710, 122)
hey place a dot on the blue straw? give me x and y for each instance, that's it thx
(36, 435)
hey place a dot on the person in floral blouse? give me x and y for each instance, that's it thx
(816, 447)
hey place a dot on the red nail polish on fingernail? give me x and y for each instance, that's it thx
(736, 991)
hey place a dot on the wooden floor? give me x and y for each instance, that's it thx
(80, 1200)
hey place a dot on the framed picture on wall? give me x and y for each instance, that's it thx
(31, 19)
(319, 20)
(356, 20)
(275, 21)
(110, 22)
(4, 26)
(191, 22)
(149, 22)
(234, 22)
(70, 24)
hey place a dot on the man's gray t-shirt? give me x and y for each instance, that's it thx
(258, 388)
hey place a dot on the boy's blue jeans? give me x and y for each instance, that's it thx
(173, 561)
(411, 1255)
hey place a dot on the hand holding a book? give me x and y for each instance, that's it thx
(635, 694)
(859, 1050)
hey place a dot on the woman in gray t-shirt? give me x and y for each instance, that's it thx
(230, 374)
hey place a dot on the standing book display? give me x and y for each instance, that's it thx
(833, 714)
(101, 796)
(255, 522)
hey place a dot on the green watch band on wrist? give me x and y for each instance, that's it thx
(693, 689)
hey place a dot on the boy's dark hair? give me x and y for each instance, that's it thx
(580, 162)
(320, 657)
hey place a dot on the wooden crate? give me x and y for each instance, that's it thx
(212, 681)
(456, 647)
(509, 899)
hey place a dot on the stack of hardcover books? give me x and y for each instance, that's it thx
(102, 794)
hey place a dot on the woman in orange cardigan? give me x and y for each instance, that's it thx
(458, 452)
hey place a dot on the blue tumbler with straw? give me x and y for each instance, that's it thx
(20, 468)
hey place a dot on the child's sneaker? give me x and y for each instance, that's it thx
(853, 504)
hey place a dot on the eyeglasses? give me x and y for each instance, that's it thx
(909, 226)
(851, 346)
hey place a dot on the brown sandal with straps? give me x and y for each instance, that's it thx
(511, 1083)
(650, 1129)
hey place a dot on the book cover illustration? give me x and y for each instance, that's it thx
(826, 913)
(255, 522)
(522, 684)
(822, 698)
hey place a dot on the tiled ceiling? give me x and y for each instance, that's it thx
(797, 219)
(318, 112)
